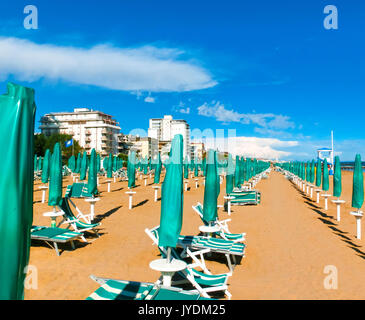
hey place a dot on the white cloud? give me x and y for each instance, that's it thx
(181, 108)
(128, 69)
(267, 148)
(149, 99)
(268, 121)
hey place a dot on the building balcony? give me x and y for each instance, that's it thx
(87, 146)
(87, 132)
(88, 140)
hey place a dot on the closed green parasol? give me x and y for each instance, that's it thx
(92, 175)
(337, 183)
(358, 184)
(325, 181)
(16, 185)
(318, 173)
(55, 178)
(83, 166)
(172, 196)
(131, 169)
(46, 166)
(210, 190)
(229, 175)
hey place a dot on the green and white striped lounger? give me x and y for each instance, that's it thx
(77, 190)
(245, 197)
(204, 282)
(54, 235)
(223, 232)
(74, 222)
(226, 247)
(129, 290)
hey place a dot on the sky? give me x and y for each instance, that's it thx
(270, 70)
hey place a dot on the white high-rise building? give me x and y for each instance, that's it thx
(92, 129)
(166, 128)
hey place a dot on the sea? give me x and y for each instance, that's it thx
(349, 165)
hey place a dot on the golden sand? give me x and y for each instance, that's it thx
(290, 241)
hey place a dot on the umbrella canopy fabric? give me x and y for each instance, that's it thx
(16, 185)
(46, 166)
(358, 184)
(172, 196)
(158, 167)
(318, 173)
(229, 175)
(312, 172)
(35, 163)
(337, 183)
(131, 169)
(83, 166)
(109, 170)
(186, 168)
(72, 163)
(92, 176)
(325, 181)
(98, 163)
(55, 178)
(78, 163)
(210, 189)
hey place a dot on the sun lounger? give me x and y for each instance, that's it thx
(111, 289)
(78, 190)
(54, 236)
(245, 197)
(203, 282)
(70, 219)
(212, 245)
(223, 232)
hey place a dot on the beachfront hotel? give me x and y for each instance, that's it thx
(92, 129)
(165, 129)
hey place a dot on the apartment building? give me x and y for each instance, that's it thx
(92, 129)
(164, 131)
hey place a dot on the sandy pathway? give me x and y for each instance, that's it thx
(290, 242)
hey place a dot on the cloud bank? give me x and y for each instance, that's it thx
(267, 148)
(146, 68)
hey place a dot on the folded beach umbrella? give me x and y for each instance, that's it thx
(46, 166)
(35, 163)
(98, 163)
(131, 169)
(78, 163)
(318, 173)
(55, 178)
(358, 184)
(218, 176)
(237, 173)
(71, 163)
(186, 168)
(16, 185)
(92, 175)
(229, 175)
(204, 166)
(158, 168)
(115, 167)
(83, 166)
(109, 170)
(39, 163)
(337, 183)
(325, 181)
(307, 171)
(312, 172)
(210, 190)
(172, 197)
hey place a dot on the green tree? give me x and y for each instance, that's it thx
(42, 143)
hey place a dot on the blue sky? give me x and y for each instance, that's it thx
(268, 69)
